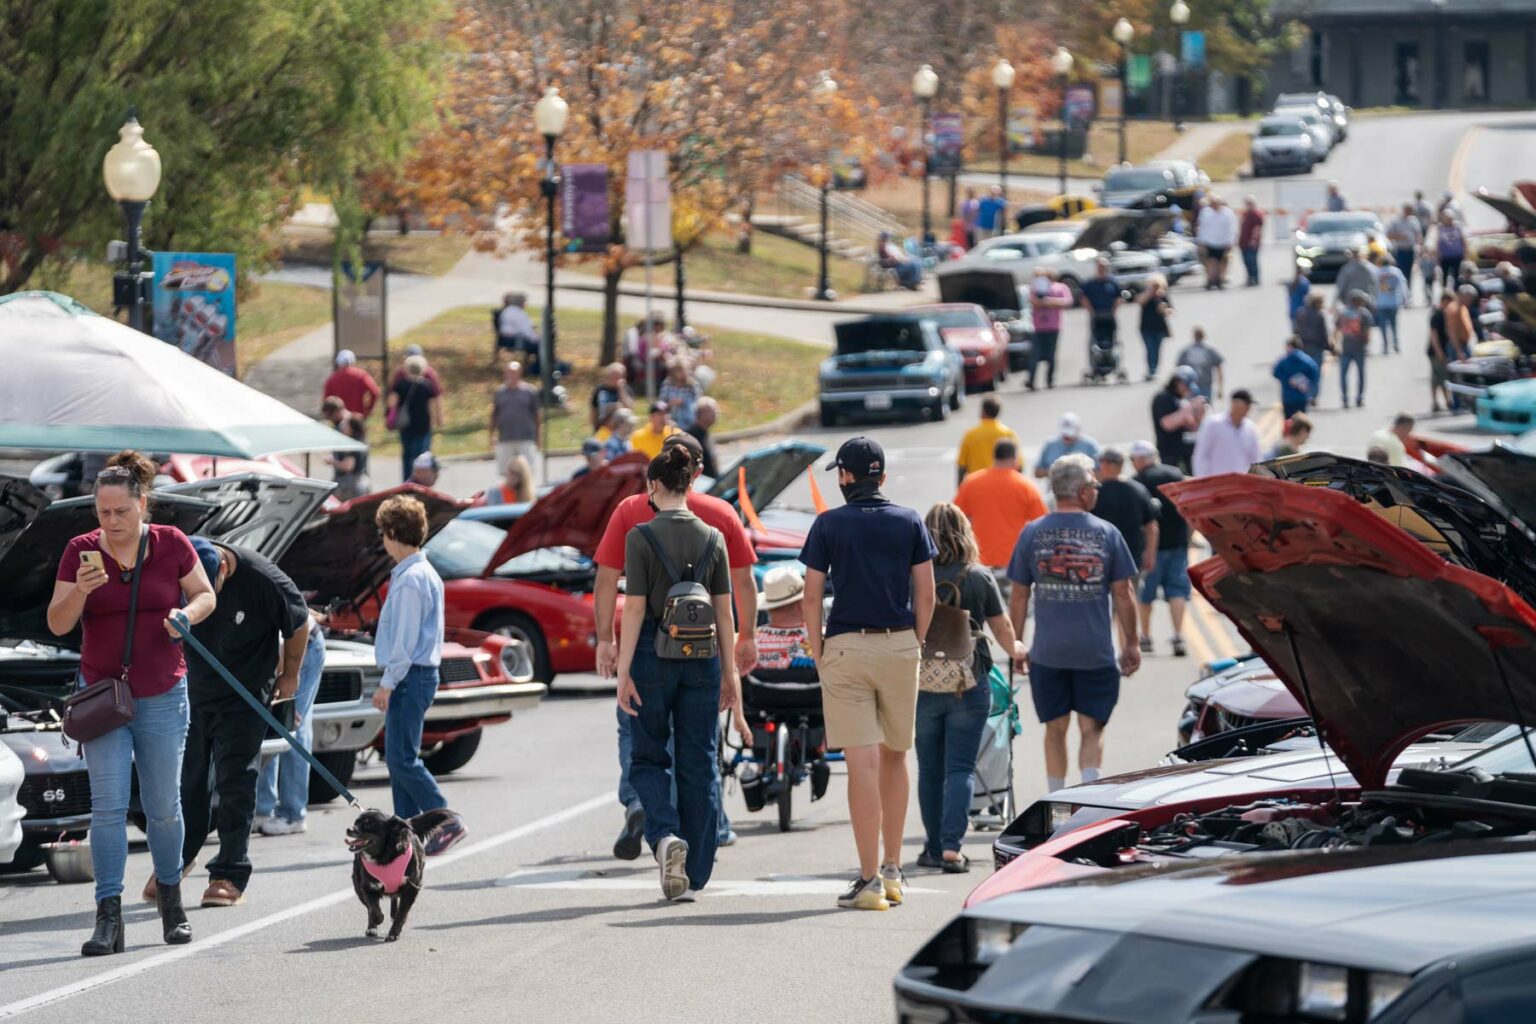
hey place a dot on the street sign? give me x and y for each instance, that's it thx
(584, 207)
(195, 305)
(358, 312)
(648, 202)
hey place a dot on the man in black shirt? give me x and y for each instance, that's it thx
(1126, 505)
(261, 615)
(1176, 412)
(1170, 564)
(704, 415)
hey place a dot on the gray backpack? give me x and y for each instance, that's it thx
(687, 629)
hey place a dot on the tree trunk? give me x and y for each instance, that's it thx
(609, 352)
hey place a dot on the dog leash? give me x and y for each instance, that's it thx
(267, 716)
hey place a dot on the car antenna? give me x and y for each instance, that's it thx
(1306, 691)
(1498, 638)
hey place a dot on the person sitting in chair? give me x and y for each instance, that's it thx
(782, 643)
(514, 328)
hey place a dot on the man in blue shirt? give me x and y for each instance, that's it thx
(1075, 565)
(880, 560)
(1069, 440)
(1298, 376)
(992, 213)
(1101, 298)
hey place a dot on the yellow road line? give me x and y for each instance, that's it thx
(1456, 180)
(1197, 645)
(1222, 640)
(1270, 425)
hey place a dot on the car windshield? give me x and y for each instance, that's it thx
(1341, 223)
(1272, 128)
(1511, 756)
(958, 318)
(1136, 179)
(1048, 244)
(879, 336)
(463, 548)
(1311, 115)
(1298, 99)
(1003, 253)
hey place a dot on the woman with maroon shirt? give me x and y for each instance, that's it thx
(94, 594)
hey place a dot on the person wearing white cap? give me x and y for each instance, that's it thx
(425, 469)
(1069, 440)
(782, 644)
(356, 388)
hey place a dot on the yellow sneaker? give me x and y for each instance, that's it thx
(893, 881)
(865, 894)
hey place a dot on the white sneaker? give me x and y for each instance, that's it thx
(672, 858)
(257, 823)
(275, 826)
(690, 895)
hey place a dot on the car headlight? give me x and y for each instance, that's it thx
(989, 939)
(1382, 990)
(516, 662)
(1309, 251)
(1302, 991)
(1057, 815)
(1322, 991)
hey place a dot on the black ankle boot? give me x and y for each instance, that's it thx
(108, 936)
(172, 917)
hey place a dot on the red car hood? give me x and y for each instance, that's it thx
(1390, 641)
(574, 514)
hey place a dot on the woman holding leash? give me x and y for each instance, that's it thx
(677, 673)
(954, 697)
(124, 584)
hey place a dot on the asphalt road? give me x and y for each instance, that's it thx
(531, 918)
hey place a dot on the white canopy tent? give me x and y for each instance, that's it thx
(71, 380)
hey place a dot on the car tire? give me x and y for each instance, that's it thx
(939, 410)
(520, 627)
(340, 763)
(828, 416)
(956, 399)
(1074, 287)
(455, 754)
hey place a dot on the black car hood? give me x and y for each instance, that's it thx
(256, 511)
(1453, 523)
(1510, 208)
(989, 289)
(30, 562)
(878, 340)
(339, 558)
(769, 471)
(1508, 473)
(1382, 639)
(1102, 230)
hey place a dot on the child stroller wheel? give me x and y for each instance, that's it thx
(786, 801)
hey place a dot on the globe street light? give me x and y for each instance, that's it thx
(824, 92)
(1179, 15)
(1061, 64)
(549, 117)
(925, 85)
(132, 174)
(1124, 32)
(1002, 77)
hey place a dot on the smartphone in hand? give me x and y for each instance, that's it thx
(92, 558)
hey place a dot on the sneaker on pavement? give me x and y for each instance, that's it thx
(1146, 645)
(893, 882)
(928, 860)
(729, 839)
(672, 859)
(257, 822)
(865, 894)
(222, 893)
(275, 826)
(446, 837)
(690, 895)
(627, 846)
(1178, 647)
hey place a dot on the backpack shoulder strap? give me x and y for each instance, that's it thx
(701, 567)
(666, 561)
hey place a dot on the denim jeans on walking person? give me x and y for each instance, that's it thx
(1346, 360)
(1386, 319)
(412, 445)
(949, 731)
(680, 704)
(154, 741)
(1153, 340)
(1044, 351)
(1251, 264)
(413, 787)
(627, 794)
(284, 786)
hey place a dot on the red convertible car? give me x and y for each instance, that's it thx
(1385, 640)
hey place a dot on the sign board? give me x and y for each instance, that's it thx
(358, 310)
(1192, 49)
(1077, 106)
(584, 207)
(1021, 129)
(1138, 71)
(1111, 98)
(948, 141)
(195, 305)
(648, 202)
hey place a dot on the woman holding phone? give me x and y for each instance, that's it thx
(93, 589)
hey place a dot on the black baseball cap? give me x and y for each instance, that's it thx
(860, 456)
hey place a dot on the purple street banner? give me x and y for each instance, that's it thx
(1077, 106)
(194, 305)
(584, 207)
(948, 140)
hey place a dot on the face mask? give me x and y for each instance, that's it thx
(650, 499)
(860, 490)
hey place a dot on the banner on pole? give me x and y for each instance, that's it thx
(1111, 98)
(194, 305)
(1021, 129)
(1077, 107)
(584, 207)
(359, 307)
(1192, 49)
(948, 141)
(648, 202)
(1138, 71)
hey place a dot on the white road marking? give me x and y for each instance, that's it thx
(593, 881)
(172, 956)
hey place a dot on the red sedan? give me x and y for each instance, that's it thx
(982, 344)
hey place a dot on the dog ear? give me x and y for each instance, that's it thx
(399, 831)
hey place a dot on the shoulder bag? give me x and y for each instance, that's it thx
(107, 704)
(949, 647)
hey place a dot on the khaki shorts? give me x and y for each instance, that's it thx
(869, 689)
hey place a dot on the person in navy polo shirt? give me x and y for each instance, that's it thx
(880, 559)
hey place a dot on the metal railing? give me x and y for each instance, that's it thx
(853, 223)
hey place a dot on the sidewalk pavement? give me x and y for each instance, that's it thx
(1196, 138)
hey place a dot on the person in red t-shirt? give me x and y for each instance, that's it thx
(631, 512)
(92, 591)
(356, 388)
(1250, 235)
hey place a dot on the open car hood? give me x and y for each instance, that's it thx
(339, 558)
(1137, 228)
(256, 511)
(769, 471)
(987, 288)
(574, 514)
(1389, 641)
(34, 537)
(1453, 523)
(1508, 473)
(1510, 208)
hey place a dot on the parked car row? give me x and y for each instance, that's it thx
(1299, 133)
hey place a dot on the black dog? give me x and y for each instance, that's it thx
(389, 860)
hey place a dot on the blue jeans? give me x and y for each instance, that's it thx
(1153, 340)
(1386, 319)
(413, 787)
(153, 742)
(949, 731)
(627, 794)
(1404, 259)
(1357, 360)
(412, 445)
(284, 785)
(1251, 264)
(681, 706)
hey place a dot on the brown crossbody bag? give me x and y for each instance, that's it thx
(107, 704)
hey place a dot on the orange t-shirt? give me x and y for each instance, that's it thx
(999, 503)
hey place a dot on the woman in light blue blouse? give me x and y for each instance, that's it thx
(408, 646)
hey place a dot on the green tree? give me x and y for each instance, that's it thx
(248, 101)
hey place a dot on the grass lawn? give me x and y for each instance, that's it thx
(270, 313)
(430, 254)
(1223, 160)
(778, 267)
(760, 378)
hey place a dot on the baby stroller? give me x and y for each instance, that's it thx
(789, 740)
(992, 802)
(1103, 352)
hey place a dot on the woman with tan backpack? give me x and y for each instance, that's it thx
(953, 693)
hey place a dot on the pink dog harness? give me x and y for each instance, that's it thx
(390, 875)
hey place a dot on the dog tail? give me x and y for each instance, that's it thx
(427, 822)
